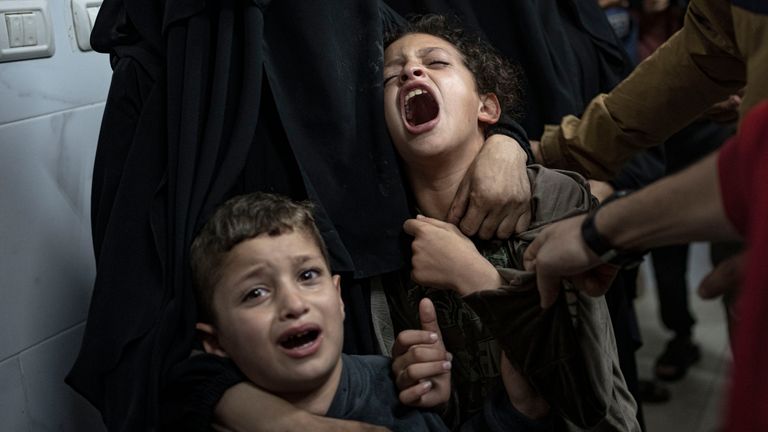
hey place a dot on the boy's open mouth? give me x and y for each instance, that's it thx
(419, 107)
(299, 339)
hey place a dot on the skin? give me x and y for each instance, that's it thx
(632, 223)
(422, 363)
(272, 285)
(481, 205)
(436, 160)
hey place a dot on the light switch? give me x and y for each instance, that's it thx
(26, 30)
(93, 11)
(84, 15)
(15, 26)
(30, 28)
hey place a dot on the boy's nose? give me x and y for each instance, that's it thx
(292, 304)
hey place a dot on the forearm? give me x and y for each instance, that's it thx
(694, 69)
(681, 208)
(244, 408)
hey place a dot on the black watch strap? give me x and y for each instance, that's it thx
(601, 246)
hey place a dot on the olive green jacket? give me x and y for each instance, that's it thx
(710, 58)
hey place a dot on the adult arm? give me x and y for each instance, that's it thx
(493, 199)
(242, 408)
(695, 68)
(681, 208)
(208, 392)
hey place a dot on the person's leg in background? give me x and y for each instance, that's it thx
(670, 266)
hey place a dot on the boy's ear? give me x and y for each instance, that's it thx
(337, 284)
(210, 339)
(490, 109)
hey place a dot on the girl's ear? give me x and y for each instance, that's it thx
(489, 110)
(210, 339)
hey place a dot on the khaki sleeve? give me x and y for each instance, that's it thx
(697, 67)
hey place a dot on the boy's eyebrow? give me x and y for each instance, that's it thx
(301, 259)
(423, 52)
(253, 271)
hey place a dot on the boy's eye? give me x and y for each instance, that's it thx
(255, 294)
(309, 274)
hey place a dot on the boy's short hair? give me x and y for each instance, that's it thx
(492, 72)
(239, 219)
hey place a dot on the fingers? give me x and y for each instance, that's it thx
(523, 222)
(412, 395)
(549, 286)
(460, 202)
(530, 254)
(414, 227)
(428, 318)
(425, 394)
(408, 338)
(536, 150)
(411, 226)
(723, 278)
(598, 280)
(472, 220)
(418, 372)
(514, 223)
(490, 225)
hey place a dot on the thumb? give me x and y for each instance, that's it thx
(428, 317)
(410, 226)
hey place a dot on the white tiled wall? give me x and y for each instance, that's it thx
(50, 111)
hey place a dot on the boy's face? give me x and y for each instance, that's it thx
(431, 102)
(279, 313)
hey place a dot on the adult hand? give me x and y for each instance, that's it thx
(421, 365)
(726, 111)
(444, 258)
(600, 189)
(522, 396)
(536, 150)
(493, 198)
(724, 278)
(559, 252)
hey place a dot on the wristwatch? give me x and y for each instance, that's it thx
(601, 246)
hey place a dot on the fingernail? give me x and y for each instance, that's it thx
(433, 337)
(449, 356)
(418, 216)
(447, 365)
(427, 385)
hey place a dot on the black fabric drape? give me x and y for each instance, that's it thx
(183, 129)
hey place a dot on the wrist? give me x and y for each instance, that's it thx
(598, 236)
(485, 279)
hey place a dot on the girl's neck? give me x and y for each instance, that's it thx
(434, 182)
